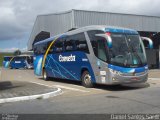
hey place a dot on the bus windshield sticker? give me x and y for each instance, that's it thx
(102, 72)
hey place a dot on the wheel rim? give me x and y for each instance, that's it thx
(44, 74)
(87, 79)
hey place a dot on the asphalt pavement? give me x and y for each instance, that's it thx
(103, 99)
(19, 90)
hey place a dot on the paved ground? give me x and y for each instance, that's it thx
(154, 73)
(10, 89)
(145, 98)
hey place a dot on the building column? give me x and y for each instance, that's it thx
(159, 57)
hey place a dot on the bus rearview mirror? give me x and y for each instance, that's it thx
(150, 45)
(107, 37)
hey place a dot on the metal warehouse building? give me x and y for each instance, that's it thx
(53, 24)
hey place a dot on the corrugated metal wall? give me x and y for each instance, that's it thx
(53, 23)
(62, 22)
(140, 23)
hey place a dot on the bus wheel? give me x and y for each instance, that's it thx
(86, 79)
(45, 77)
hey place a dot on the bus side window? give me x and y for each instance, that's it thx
(81, 43)
(58, 46)
(35, 50)
(40, 48)
(48, 45)
(43, 48)
(69, 44)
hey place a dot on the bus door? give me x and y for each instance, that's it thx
(103, 45)
(102, 60)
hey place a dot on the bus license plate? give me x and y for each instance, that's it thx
(135, 78)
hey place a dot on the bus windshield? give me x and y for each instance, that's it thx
(127, 51)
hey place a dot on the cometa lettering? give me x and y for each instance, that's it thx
(67, 58)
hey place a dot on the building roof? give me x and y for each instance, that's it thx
(58, 23)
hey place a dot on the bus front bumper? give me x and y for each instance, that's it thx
(116, 78)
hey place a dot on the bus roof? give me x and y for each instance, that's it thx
(105, 29)
(23, 55)
(112, 29)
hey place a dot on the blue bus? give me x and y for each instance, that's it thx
(6, 61)
(21, 61)
(93, 54)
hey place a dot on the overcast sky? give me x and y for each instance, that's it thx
(18, 16)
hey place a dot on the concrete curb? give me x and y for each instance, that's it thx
(153, 78)
(32, 97)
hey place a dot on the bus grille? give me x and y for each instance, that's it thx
(133, 74)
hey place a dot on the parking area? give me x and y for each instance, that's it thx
(71, 87)
(140, 98)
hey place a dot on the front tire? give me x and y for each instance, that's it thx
(86, 79)
(45, 76)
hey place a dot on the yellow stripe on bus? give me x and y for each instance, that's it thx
(45, 56)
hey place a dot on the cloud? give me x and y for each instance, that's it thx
(13, 49)
(24, 49)
(140, 7)
(8, 50)
(18, 16)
